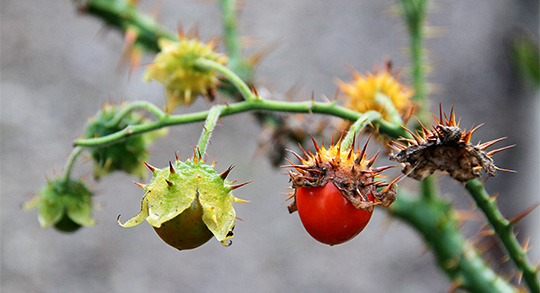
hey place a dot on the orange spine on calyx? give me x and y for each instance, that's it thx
(348, 169)
(445, 147)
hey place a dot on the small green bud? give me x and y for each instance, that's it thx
(175, 68)
(66, 205)
(125, 155)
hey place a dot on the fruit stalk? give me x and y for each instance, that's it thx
(70, 162)
(208, 127)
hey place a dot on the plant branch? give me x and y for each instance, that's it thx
(209, 125)
(435, 220)
(230, 32)
(414, 13)
(135, 106)
(70, 162)
(123, 15)
(246, 106)
(242, 87)
(504, 230)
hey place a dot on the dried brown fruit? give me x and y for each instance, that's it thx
(446, 147)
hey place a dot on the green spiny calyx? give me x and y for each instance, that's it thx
(125, 155)
(187, 203)
(65, 205)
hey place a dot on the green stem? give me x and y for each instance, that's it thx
(135, 106)
(504, 229)
(246, 106)
(70, 162)
(414, 13)
(242, 87)
(435, 220)
(230, 33)
(122, 15)
(209, 125)
(356, 128)
(429, 187)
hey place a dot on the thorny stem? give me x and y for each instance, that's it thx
(435, 220)
(246, 106)
(124, 15)
(414, 13)
(231, 39)
(70, 162)
(208, 127)
(504, 230)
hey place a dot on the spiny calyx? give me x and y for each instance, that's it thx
(187, 203)
(446, 147)
(64, 204)
(174, 66)
(350, 172)
(124, 155)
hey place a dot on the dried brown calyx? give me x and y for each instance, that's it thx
(350, 172)
(446, 147)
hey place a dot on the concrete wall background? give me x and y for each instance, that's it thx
(57, 68)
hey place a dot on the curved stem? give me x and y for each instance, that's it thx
(230, 75)
(135, 106)
(70, 162)
(211, 120)
(503, 228)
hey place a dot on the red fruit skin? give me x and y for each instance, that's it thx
(328, 216)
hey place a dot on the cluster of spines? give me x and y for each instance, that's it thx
(314, 163)
(433, 134)
(197, 157)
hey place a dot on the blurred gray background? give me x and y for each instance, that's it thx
(58, 68)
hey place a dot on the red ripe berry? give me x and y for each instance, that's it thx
(328, 216)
